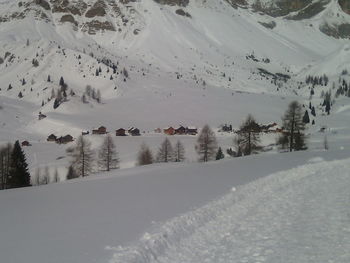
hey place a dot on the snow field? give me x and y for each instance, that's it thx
(297, 215)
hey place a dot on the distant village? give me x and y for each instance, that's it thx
(180, 130)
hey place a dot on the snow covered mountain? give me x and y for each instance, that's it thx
(164, 62)
(68, 66)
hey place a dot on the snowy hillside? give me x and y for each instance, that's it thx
(99, 218)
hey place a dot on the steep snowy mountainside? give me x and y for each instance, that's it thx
(209, 63)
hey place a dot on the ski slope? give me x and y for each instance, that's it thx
(86, 220)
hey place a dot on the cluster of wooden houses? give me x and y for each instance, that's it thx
(120, 132)
(181, 130)
(60, 140)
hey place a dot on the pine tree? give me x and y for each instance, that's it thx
(313, 111)
(19, 175)
(165, 152)
(306, 118)
(294, 127)
(206, 146)
(144, 156)
(82, 157)
(179, 152)
(108, 156)
(219, 155)
(249, 135)
(61, 83)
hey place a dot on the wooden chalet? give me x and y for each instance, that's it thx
(169, 131)
(65, 139)
(52, 138)
(101, 130)
(25, 143)
(120, 132)
(134, 131)
(180, 130)
(191, 130)
(226, 128)
(85, 133)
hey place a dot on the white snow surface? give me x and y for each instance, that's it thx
(100, 218)
(298, 215)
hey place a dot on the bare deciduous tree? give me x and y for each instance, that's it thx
(248, 136)
(144, 156)
(206, 146)
(56, 176)
(165, 152)
(294, 127)
(82, 157)
(108, 156)
(179, 152)
(5, 164)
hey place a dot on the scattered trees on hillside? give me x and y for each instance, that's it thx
(294, 128)
(82, 157)
(108, 156)
(206, 146)
(91, 93)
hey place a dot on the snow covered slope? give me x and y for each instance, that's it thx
(84, 220)
(298, 215)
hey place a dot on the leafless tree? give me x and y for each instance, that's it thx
(206, 146)
(294, 127)
(248, 136)
(37, 176)
(45, 177)
(5, 164)
(82, 157)
(144, 156)
(325, 143)
(165, 152)
(56, 176)
(108, 156)
(179, 152)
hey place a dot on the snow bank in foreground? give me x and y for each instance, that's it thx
(298, 215)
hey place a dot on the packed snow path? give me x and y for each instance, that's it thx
(298, 215)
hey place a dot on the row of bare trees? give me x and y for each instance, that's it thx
(83, 157)
(166, 153)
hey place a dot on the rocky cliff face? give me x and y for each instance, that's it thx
(85, 15)
(92, 16)
(345, 5)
